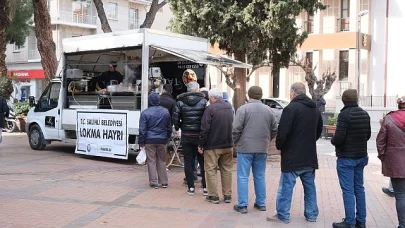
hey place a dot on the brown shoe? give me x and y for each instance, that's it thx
(274, 218)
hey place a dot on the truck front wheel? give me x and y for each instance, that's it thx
(36, 138)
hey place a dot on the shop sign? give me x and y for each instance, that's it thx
(26, 74)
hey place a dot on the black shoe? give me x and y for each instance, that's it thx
(260, 208)
(165, 185)
(155, 186)
(342, 224)
(360, 224)
(212, 199)
(227, 199)
(191, 191)
(242, 210)
(205, 192)
(388, 192)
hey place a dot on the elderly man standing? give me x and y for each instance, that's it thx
(187, 115)
(299, 128)
(253, 128)
(216, 140)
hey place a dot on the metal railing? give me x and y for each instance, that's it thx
(378, 101)
(71, 17)
(343, 24)
(344, 86)
(309, 26)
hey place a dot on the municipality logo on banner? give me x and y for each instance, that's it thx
(102, 134)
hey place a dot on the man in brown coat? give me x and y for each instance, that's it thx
(391, 151)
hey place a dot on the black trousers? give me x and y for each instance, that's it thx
(190, 152)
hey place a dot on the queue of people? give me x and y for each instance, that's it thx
(210, 131)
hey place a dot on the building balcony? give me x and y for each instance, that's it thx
(73, 19)
(25, 56)
(343, 24)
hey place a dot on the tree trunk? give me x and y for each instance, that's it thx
(239, 95)
(275, 72)
(151, 14)
(43, 32)
(105, 26)
(5, 22)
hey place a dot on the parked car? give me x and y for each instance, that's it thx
(277, 105)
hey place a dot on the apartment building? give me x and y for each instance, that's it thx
(71, 18)
(331, 44)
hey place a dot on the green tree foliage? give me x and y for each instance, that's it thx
(20, 26)
(262, 30)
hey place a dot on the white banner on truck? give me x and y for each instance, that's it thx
(103, 134)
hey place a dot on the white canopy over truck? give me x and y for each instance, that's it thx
(103, 82)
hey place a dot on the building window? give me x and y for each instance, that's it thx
(133, 18)
(343, 65)
(309, 58)
(112, 10)
(17, 48)
(364, 5)
(332, 9)
(81, 11)
(309, 24)
(345, 9)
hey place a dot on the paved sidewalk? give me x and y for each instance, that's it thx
(57, 188)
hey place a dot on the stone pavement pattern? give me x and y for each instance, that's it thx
(57, 188)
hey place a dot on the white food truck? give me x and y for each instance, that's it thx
(89, 103)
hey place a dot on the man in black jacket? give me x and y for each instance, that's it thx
(166, 99)
(353, 130)
(4, 112)
(216, 140)
(187, 115)
(299, 128)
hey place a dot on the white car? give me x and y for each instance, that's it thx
(277, 105)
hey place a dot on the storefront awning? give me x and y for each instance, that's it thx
(203, 57)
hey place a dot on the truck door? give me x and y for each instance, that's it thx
(47, 111)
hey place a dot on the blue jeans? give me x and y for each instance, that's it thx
(257, 162)
(285, 191)
(350, 173)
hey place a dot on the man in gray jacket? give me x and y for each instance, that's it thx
(253, 128)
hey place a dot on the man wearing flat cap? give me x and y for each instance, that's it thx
(353, 130)
(253, 128)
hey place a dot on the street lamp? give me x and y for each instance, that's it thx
(362, 13)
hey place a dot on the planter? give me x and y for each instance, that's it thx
(21, 121)
(330, 129)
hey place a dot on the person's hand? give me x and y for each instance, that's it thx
(103, 90)
(142, 148)
(200, 150)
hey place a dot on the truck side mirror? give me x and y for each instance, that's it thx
(31, 100)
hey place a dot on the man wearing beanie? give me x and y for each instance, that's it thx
(155, 128)
(299, 128)
(353, 130)
(254, 127)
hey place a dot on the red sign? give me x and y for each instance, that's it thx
(26, 74)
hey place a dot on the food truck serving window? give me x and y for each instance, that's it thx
(203, 57)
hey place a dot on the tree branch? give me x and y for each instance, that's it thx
(228, 76)
(254, 68)
(151, 14)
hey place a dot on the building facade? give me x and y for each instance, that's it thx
(331, 45)
(71, 18)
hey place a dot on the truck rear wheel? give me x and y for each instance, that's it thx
(36, 138)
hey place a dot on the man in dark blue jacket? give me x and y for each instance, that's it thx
(155, 128)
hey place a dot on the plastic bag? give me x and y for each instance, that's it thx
(141, 158)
